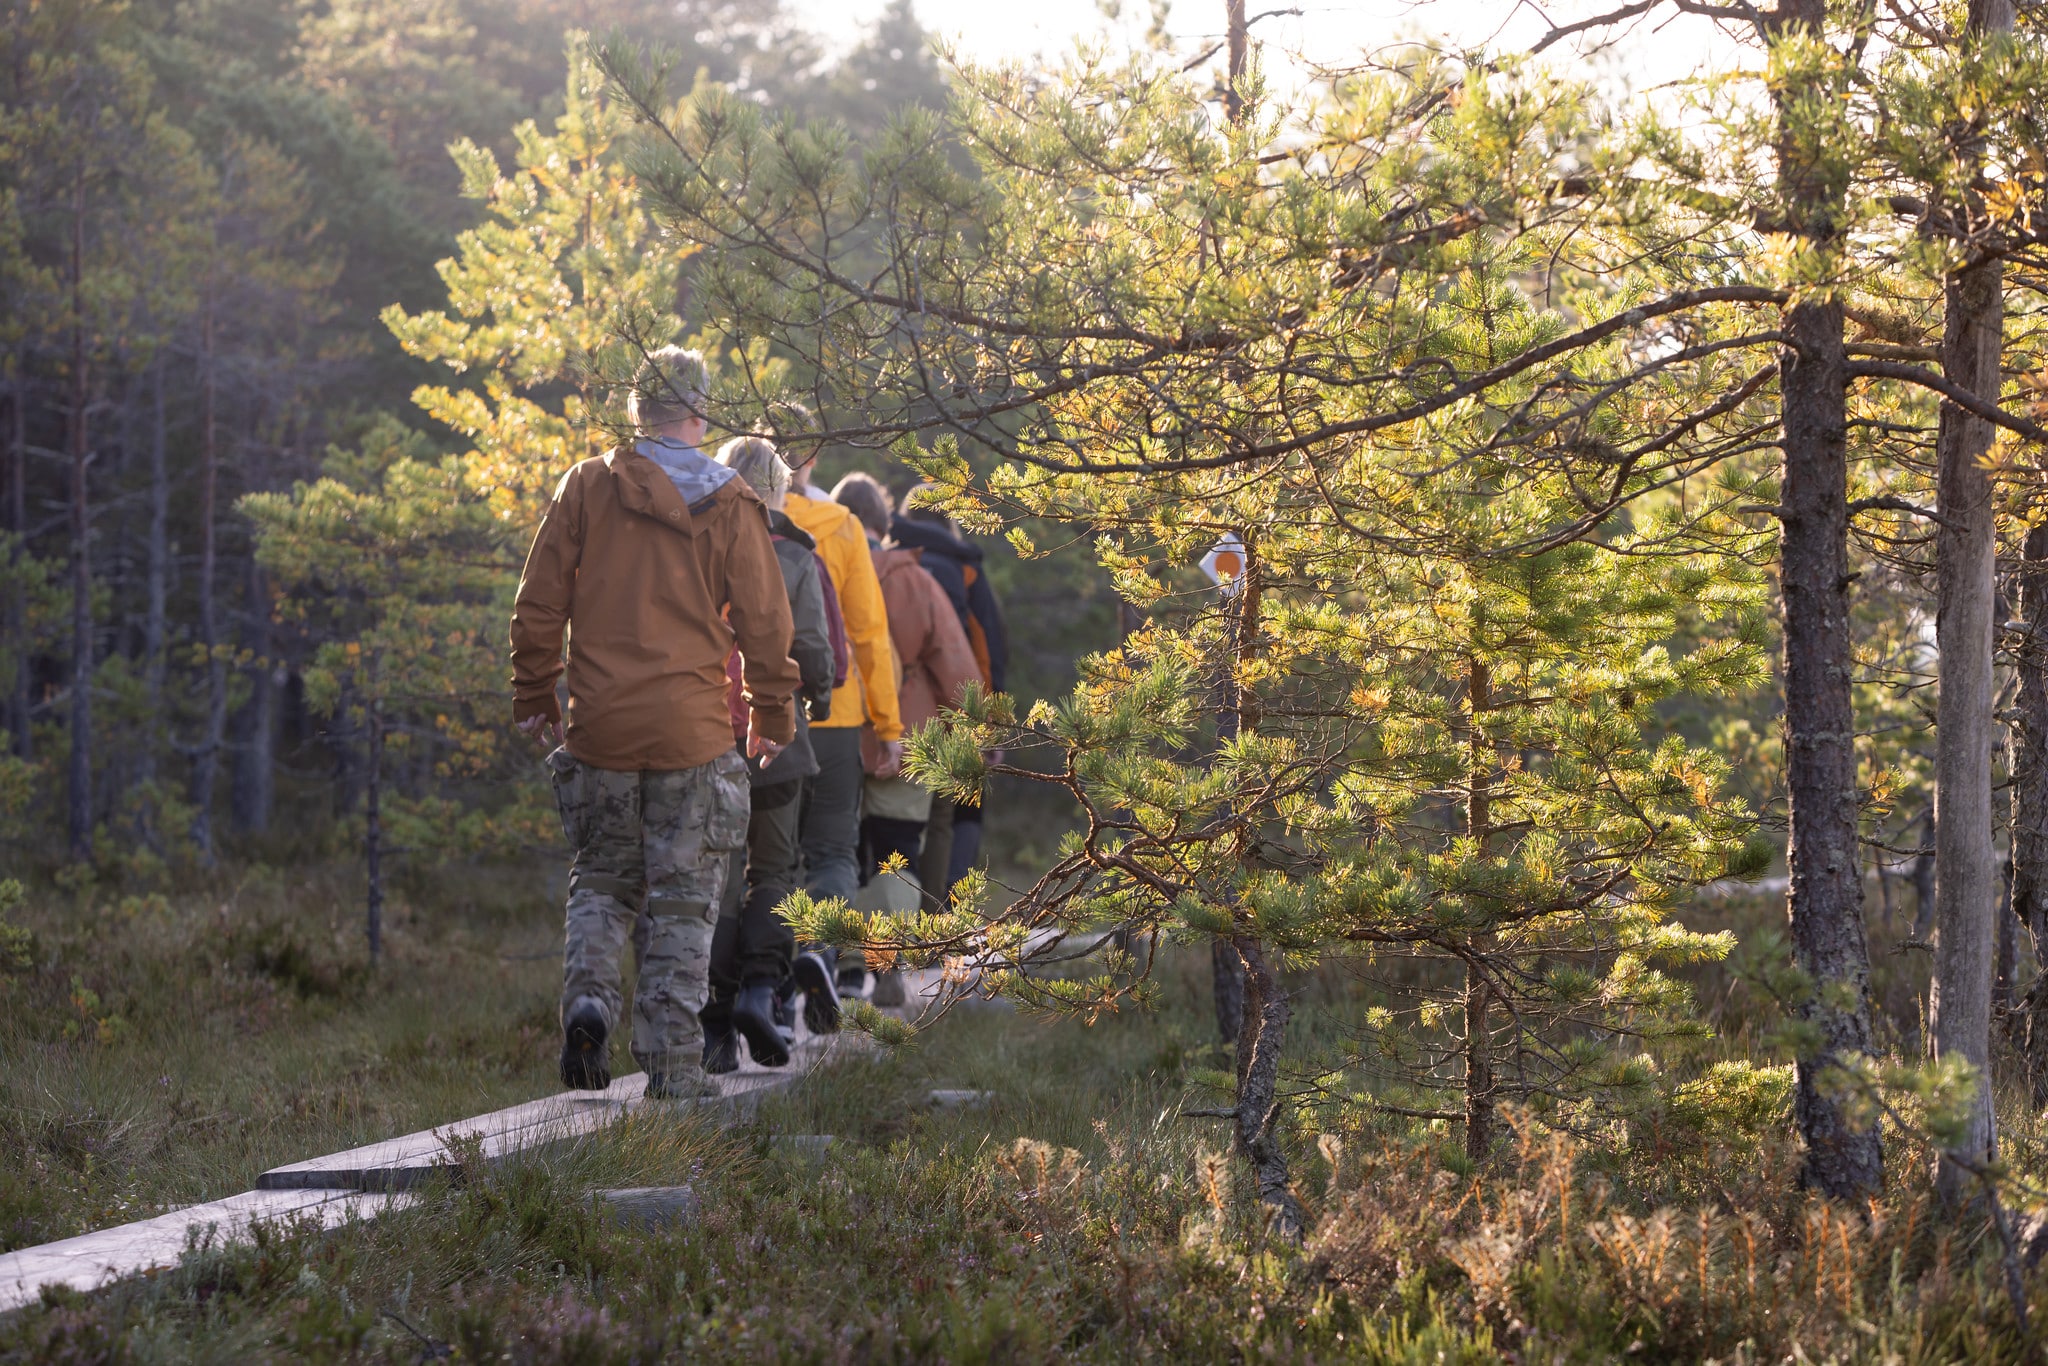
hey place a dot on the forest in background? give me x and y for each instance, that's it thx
(209, 208)
(310, 305)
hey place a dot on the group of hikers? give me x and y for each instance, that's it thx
(745, 655)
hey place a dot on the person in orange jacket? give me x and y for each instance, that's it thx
(653, 563)
(830, 824)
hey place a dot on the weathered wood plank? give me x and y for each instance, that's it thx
(407, 1162)
(366, 1181)
(93, 1259)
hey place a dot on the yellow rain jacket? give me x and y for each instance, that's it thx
(869, 693)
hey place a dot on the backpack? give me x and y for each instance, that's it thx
(835, 626)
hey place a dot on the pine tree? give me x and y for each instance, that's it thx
(1480, 325)
(1440, 653)
(1807, 77)
(402, 566)
(567, 261)
(102, 194)
(396, 565)
(1973, 336)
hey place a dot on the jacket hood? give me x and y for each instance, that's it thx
(916, 535)
(645, 487)
(695, 474)
(780, 525)
(891, 559)
(823, 511)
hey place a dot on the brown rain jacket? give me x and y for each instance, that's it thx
(936, 659)
(655, 594)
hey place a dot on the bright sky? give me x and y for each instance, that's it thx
(1328, 32)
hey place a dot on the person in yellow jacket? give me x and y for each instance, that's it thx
(830, 823)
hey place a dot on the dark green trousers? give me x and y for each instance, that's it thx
(751, 943)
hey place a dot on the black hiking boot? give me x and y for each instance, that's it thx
(586, 1064)
(721, 1047)
(753, 1015)
(821, 1000)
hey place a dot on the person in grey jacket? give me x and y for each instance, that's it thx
(753, 949)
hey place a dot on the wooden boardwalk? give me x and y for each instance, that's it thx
(111, 1254)
(365, 1182)
(362, 1183)
(399, 1164)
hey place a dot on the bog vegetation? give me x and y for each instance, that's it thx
(1632, 498)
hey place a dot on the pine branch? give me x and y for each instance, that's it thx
(1954, 393)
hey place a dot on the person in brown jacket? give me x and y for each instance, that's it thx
(936, 665)
(657, 562)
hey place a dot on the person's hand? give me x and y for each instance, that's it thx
(760, 746)
(891, 762)
(545, 729)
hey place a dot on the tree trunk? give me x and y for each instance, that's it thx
(1479, 1087)
(1826, 899)
(78, 797)
(2030, 799)
(1227, 989)
(1887, 900)
(1843, 1157)
(2006, 970)
(1923, 881)
(1966, 591)
(21, 703)
(1237, 39)
(1966, 892)
(1262, 1009)
(1260, 1038)
(256, 755)
(206, 762)
(154, 627)
(1226, 969)
(373, 821)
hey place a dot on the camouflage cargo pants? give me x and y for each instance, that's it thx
(651, 855)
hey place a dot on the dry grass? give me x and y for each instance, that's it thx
(1565, 1264)
(1077, 1218)
(160, 1050)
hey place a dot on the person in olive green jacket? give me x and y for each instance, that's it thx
(753, 952)
(656, 562)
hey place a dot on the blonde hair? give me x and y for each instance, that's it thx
(754, 459)
(669, 388)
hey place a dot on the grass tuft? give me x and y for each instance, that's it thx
(1077, 1216)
